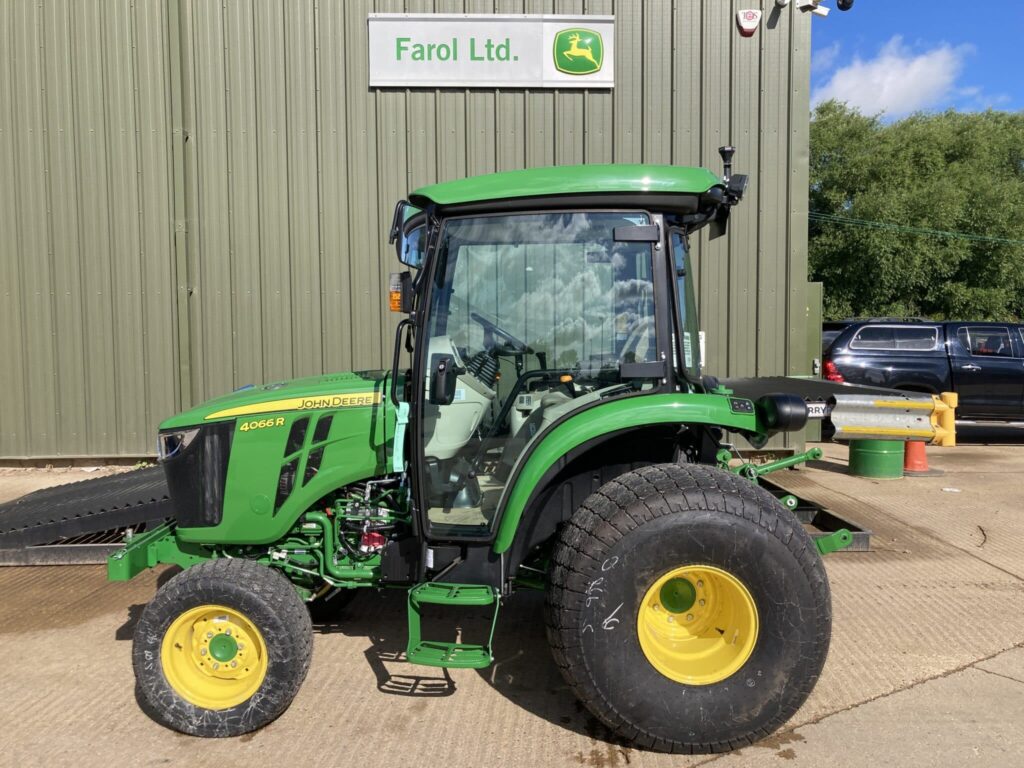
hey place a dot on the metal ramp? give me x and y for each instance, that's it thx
(83, 522)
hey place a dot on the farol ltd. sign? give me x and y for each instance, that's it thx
(491, 51)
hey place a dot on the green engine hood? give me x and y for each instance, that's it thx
(335, 390)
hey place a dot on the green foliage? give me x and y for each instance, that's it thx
(950, 172)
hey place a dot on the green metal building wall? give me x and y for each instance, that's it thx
(194, 195)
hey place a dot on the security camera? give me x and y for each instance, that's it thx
(813, 7)
(842, 5)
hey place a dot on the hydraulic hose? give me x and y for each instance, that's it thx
(327, 564)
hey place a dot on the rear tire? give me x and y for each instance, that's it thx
(222, 649)
(688, 610)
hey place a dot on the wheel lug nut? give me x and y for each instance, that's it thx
(689, 617)
(216, 665)
(202, 651)
(228, 632)
(234, 664)
(700, 585)
(209, 635)
(671, 619)
(701, 603)
(241, 646)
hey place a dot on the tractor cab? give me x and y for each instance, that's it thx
(537, 295)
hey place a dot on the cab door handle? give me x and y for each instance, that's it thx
(970, 367)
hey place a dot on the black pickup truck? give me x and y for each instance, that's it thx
(982, 362)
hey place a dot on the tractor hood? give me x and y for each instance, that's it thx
(336, 390)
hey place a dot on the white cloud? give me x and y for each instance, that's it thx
(824, 58)
(897, 81)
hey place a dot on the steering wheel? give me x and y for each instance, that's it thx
(512, 345)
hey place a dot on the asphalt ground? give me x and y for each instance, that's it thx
(926, 666)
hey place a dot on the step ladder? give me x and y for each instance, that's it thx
(431, 653)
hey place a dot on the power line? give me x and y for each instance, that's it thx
(830, 218)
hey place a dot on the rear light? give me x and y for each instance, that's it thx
(831, 372)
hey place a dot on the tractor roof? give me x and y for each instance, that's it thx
(568, 180)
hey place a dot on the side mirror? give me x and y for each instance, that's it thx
(443, 378)
(400, 293)
(410, 247)
(397, 219)
(407, 228)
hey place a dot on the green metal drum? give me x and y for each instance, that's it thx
(876, 458)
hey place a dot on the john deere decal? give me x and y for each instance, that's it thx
(578, 51)
(339, 400)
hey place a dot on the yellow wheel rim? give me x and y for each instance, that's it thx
(697, 625)
(214, 657)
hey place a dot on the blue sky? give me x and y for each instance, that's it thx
(900, 56)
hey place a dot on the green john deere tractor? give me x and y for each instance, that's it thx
(545, 424)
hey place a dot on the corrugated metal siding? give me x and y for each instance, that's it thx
(87, 344)
(248, 128)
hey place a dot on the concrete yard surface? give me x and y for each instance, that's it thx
(926, 666)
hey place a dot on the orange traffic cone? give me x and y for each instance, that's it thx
(915, 461)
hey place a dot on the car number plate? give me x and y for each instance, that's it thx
(817, 410)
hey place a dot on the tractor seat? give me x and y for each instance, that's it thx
(514, 445)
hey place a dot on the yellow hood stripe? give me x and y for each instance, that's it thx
(310, 403)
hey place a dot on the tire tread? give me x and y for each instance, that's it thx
(207, 582)
(626, 503)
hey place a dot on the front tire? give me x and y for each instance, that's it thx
(688, 610)
(222, 649)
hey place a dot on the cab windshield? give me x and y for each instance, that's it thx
(537, 314)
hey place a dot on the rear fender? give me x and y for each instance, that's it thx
(587, 467)
(603, 421)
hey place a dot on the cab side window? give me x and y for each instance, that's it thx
(986, 341)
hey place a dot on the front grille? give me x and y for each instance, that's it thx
(196, 476)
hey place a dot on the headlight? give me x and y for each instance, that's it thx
(168, 444)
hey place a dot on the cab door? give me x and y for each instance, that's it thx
(530, 318)
(988, 370)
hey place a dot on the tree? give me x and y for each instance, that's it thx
(876, 188)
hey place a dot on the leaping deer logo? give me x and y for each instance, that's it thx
(578, 51)
(575, 49)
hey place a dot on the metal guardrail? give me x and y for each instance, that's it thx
(929, 418)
